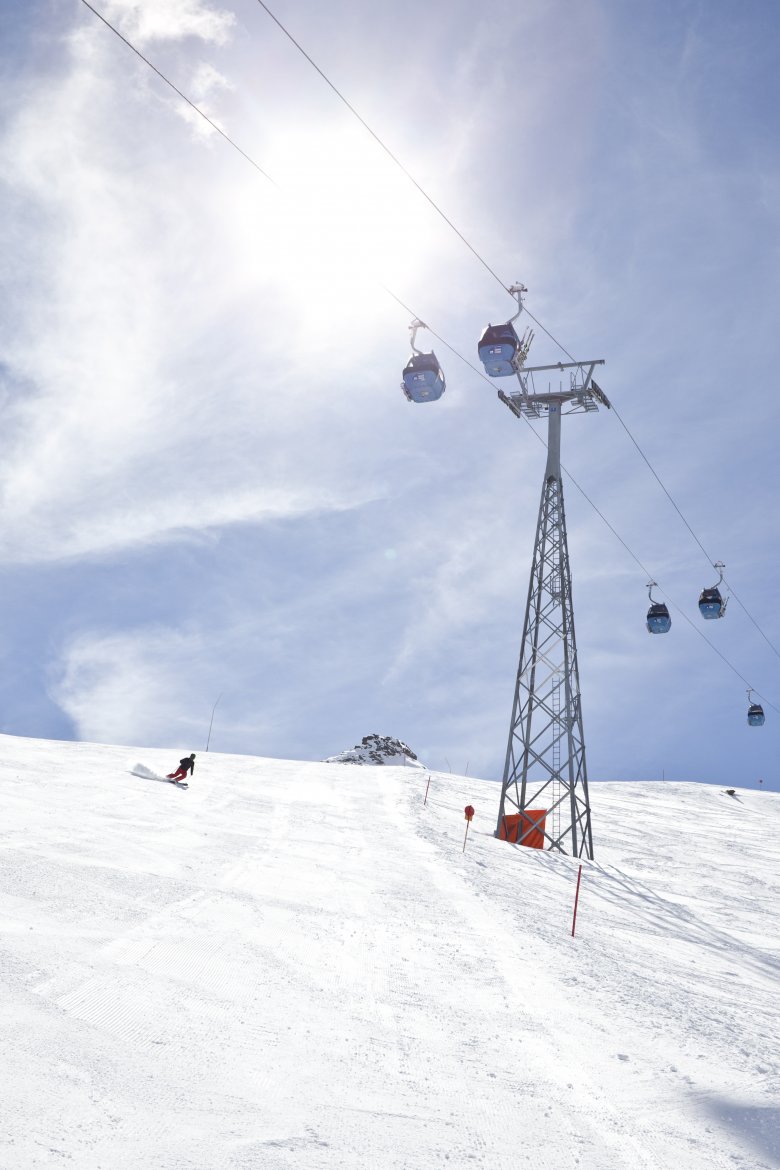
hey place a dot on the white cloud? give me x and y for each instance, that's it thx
(144, 21)
(127, 687)
(468, 575)
(156, 684)
(207, 81)
(156, 389)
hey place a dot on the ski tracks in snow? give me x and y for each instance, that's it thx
(296, 966)
(542, 1107)
(634, 1112)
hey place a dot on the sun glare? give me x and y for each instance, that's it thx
(345, 220)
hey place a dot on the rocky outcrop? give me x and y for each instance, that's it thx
(378, 749)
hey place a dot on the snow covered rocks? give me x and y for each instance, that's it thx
(378, 749)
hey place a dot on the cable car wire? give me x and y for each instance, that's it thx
(377, 138)
(661, 483)
(593, 505)
(183, 96)
(256, 166)
(677, 509)
(440, 212)
(383, 145)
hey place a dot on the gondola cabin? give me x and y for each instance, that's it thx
(497, 349)
(423, 380)
(755, 715)
(711, 604)
(658, 620)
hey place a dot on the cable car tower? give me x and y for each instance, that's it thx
(545, 760)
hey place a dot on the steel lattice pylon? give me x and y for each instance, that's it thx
(545, 761)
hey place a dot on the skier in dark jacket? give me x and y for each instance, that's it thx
(186, 765)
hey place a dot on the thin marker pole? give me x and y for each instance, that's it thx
(576, 900)
(211, 724)
(469, 813)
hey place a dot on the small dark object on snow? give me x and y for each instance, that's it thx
(731, 792)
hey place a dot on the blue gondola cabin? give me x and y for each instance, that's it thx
(711, 604)
(755, 715)
(658, 620)
(497, 349)
(423, 379)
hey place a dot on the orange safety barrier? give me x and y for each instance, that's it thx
(509, 829)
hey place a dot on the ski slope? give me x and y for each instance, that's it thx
(296, 965)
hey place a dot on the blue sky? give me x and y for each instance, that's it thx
(211, 482)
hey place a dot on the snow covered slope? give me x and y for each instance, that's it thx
(296, 965)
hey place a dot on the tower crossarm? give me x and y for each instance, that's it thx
(582, 394)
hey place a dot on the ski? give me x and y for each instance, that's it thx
(179, 783)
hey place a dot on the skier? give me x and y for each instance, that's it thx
(186, 765)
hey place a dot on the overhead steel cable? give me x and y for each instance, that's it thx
(377, 138)
(555, 340)
(384, 146)
(176, 90)
(667, 493)
(595, 508)
(662, 485)
(723, 656)
(194, 106)
(429, 199)
(440, 212)
(649, 575)
(746, 611)
(444, 342)
(677, 509)
(439, 337)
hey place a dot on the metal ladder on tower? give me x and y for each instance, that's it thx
(555, 826)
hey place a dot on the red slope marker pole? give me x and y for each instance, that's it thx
(576, 900)
(469, 812)
(427, 786)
